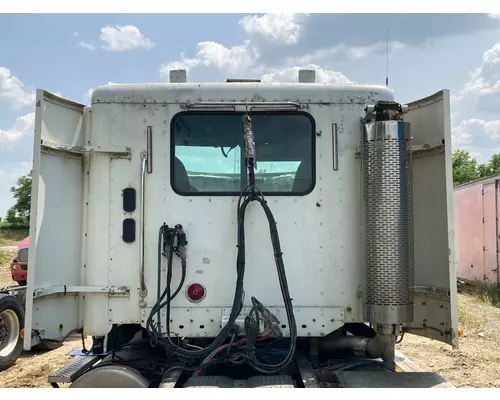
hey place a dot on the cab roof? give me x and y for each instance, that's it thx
(311, 93)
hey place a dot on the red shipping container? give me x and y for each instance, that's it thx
(477, 230)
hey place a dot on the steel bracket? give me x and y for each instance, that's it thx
(115, 291)
(115, 151)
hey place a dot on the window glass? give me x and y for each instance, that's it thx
(208, 153)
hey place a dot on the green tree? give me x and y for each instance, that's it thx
(465, 168)
(484, 170)
(491, 168)
(19, 213)
(494, 165)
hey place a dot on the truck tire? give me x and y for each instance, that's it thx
(11, 323)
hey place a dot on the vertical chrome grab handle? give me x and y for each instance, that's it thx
(149, 145)
(143, 290)
(335, 147)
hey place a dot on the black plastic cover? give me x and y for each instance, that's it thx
(128, 233)
(129, 199)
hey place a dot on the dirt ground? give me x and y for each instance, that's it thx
(32, 369)
(474, 364)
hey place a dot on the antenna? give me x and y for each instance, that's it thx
(387, 59)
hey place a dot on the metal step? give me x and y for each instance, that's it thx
(75, 368)
(384, 379)
(279, 381)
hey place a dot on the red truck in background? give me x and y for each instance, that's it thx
(19, 265)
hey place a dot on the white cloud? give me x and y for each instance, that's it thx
(477, 136)
(22, 126)
(483, 80)
(211, 54)
(280, 27)
(342, 51)
(460, 137)
(233, 59)
(245, 58)
(489, 128)
(121, 38)
(377, 48)
(291, 75)
(12, 90)
(478, 95)
(86, 45)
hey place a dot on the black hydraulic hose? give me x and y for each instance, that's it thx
(238, 297)
(273, 368)
(158, 289)
(237, 301)
(179, 287)
(158, 306)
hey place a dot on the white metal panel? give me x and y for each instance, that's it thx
(172, 93)
(435, 276)
(98, 226)
(178, 76)
(56, 217)
(307, 76)
(320, 232)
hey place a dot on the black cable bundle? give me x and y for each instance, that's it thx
(223, 334)
(278, 258)
(253, 195)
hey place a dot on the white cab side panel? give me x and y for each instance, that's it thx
(57, 200)
(435, 277)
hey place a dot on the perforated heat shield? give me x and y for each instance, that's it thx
(388, 221)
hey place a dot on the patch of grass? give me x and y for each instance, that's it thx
(5, 257)
(486, 293)
(467, 319)
(12, 237)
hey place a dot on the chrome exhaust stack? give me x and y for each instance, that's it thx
(388, 208)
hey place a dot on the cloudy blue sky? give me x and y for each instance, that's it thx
(71, 54)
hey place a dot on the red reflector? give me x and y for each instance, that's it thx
(195, 292)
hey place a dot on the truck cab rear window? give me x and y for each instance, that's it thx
(208, 154)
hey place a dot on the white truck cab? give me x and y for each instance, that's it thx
(360, 188)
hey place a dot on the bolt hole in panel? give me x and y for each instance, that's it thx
(207, 322)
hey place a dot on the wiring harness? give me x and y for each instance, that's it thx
(173, 240)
